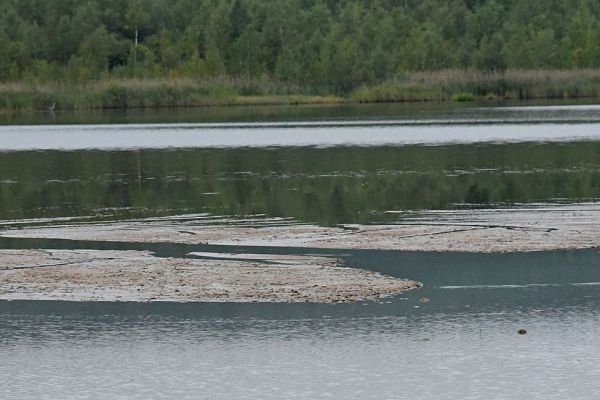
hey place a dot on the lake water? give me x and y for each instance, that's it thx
(325, 165)
(463, 343)
(328, 165)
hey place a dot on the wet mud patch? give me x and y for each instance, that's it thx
(95, 275)
(518, 229)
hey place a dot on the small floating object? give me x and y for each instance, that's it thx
(522, 331)
(424, 300)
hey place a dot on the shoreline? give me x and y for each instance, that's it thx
(414, 87)
(291, 101)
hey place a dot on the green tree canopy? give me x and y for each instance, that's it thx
(320, 45)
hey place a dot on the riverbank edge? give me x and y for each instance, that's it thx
(437, 86)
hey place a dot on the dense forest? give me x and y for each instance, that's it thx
(90, 54)
(319, 45)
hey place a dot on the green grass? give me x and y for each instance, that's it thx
(470, 85)
(447, 85)
(149, 93)
(463, 97)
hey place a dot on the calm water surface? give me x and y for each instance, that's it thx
(326, 165)
(461, 344)
(337, 126)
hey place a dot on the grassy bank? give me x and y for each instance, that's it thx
(469, 85)
(147, 93)
(447, 85)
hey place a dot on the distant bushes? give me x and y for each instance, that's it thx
(463, 97)
(455, 85)
(149, 93)
(469, 85)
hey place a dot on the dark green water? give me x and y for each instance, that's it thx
(233, 114)
(327, 186)
(534, 109)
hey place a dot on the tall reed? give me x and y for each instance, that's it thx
(458, 85)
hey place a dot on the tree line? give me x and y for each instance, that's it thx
(319, 46)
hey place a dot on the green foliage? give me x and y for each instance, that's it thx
(147, 93)
(317, 46)
(489, 85)
(463, 97)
